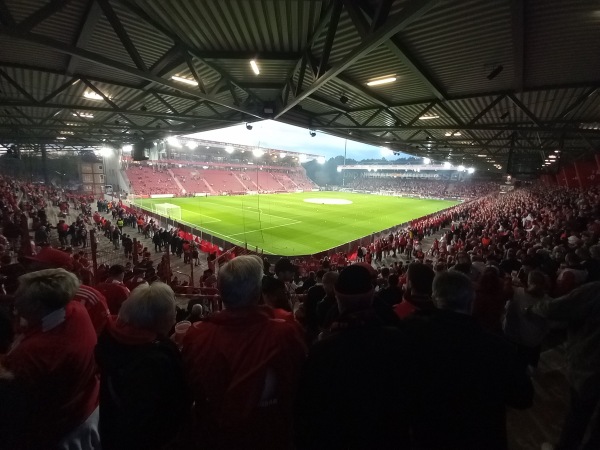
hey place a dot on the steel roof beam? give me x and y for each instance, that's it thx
(595, 84)
(577, 103)
(396, 46)
(167, 61)
(485, 110)
(164, 102)
(42, 14)
(422, 112)
(331, 30)
(140, 12)
(101, 109)
(86, 29)
(519, 104)
(122, 34)
(58, 90)
(96, 58)
(412, 11)
(190, 65)
(17, 86)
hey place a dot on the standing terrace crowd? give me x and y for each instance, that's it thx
(427, 354)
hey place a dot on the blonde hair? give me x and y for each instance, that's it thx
(240, 281)
(148, 305)
(51, 288)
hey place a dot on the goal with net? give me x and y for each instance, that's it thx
(168, 210)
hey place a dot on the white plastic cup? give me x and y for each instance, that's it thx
(181, 329)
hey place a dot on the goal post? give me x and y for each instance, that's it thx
(168, 210)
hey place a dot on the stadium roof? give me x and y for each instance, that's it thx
(471, 77)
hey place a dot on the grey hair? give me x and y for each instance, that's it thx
(240, 281)
(148, 305)
(51, 288)
(454, 291)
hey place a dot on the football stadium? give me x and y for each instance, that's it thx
(299, 225)
(295, 223)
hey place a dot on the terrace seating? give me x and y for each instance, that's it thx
(147, 180)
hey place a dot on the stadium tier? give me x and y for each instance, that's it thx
(167, 177)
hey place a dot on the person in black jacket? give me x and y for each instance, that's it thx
(143, 398)
(355, 389)
(467, 376)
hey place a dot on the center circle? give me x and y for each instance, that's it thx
(328, 201)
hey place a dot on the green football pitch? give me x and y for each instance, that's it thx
(297, 223)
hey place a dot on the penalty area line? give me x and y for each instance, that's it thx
(268, 228)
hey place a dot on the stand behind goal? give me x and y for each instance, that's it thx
(168, 210)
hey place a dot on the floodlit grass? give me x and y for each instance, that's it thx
(285, 224)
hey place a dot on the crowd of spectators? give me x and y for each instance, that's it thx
(414, 187)
(426, 352)
(171, 177)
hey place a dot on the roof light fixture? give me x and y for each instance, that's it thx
(447, 133)
(552, 156)
(380, 81)
(184, 80)
(91, 95)
(430, 117)
(229, 149)
(257, 152)
(254, 67)
(84, 114)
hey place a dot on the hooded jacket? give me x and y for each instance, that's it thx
(143, 398)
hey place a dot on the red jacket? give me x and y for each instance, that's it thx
(242, 367)
(55, 361)
(115, 293)
(95, 304)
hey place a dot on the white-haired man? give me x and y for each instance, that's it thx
(242, 366)
(143, 398)
(467, 377)
(53, 362)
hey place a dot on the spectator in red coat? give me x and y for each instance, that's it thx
(242, 366)
(418, 290)
(95, 304)
(113, 288)
(52, 363)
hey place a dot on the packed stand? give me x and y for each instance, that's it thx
(424, 355)
(467, 190)
(170, 177)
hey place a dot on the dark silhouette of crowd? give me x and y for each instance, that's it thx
(426, 352)
(465, 190)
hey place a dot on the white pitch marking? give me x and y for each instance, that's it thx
(255, 212)
(268, 228)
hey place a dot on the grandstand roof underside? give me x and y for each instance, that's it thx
(312, 54)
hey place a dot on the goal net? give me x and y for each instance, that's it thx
(168, 210)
